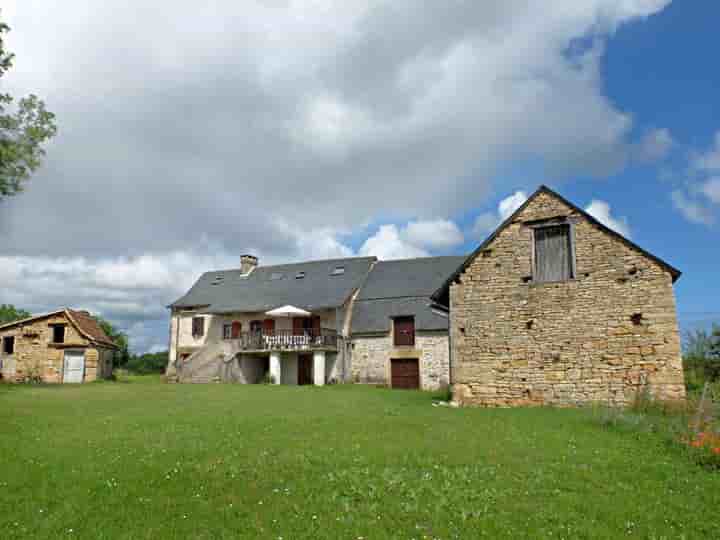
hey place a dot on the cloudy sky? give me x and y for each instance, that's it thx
(190, 133)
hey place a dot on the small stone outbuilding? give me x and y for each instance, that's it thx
(555, 308)
(64, 346)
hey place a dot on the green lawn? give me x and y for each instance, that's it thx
(148, 460)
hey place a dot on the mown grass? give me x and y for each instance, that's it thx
(146, 460)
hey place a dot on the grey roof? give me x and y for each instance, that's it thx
(408, 277)
(403, 287)
(268, 287)
(371, 316)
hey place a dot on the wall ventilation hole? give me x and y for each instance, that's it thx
(462, 329)
(636, 318)
(529, 325)
(633, 271)
(527, 279)
(487, 253)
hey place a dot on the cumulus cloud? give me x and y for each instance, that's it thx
(387, 243)
(600, 210)
(709, 161)
(434, 234)
(488, 221)
(711, 189)
(691, 209)
(279, 127)
(654, 145)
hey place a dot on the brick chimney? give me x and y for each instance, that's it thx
(248, 263)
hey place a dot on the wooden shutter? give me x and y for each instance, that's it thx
(553, 257)
(404, 331)
(316, 326)
(269, 326)
(236, 329)
(298, 326)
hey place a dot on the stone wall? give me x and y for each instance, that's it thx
(371, 357)
(602, 337)
(36, 356)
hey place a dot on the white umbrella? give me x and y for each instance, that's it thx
(288, 311)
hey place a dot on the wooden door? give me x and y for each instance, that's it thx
(405, 373)
(74, 366)
(305, 369)
(236, 329)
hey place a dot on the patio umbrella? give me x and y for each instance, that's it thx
(288, 311)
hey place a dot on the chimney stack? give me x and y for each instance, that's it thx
(247, 263)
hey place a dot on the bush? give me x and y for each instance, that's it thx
(148, 363)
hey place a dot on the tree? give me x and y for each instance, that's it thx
(23, 130)
(9, 313)
(118, 337)
(715, 343)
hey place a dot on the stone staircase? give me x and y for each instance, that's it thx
(208, 364)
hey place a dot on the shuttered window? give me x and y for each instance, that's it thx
(9, 344)
(404, 331)
(553, 253)
(198, 326)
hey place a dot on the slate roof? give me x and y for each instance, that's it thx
(268, 287)
(403, 287)
(408, 277)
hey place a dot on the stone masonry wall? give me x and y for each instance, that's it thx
(602, 337)
(35, 355)
(371, 357)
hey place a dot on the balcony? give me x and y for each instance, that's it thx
(280, 340)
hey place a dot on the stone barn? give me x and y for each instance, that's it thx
(64, 346)
(555, 308)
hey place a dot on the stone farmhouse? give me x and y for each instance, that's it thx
(64, 346)
(341, 320)
(554, 308)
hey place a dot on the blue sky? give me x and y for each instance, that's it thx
(300, 131)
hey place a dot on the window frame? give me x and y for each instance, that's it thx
(555, 222)
(198, 321)
(5, 341)
(227, 331)
(396, 334)
(55, 328)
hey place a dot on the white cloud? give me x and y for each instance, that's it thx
(692, 210)
(709, 161)
(387, 243)
(654, 145)
(711, 189)
(488, 221)
(600, 210)
(434, 234)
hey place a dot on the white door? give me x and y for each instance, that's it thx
(74, 367)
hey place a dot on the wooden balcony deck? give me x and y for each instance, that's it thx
(323, 339)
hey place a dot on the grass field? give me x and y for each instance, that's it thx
(145, 460)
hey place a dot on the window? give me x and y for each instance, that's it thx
(300, 275)
(58, 333)
(256, 327)
(276, 276)
(404, 331)
(198, 327)
(227, 331)
(553, 257)
(338, 271)
(9, 344)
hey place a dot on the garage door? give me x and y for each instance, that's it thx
(405, 373)
(74, 367)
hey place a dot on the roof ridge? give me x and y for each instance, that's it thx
(271, 266)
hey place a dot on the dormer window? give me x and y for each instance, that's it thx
(338, 271)
(553, 257)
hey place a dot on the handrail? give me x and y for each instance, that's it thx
(287, 339)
